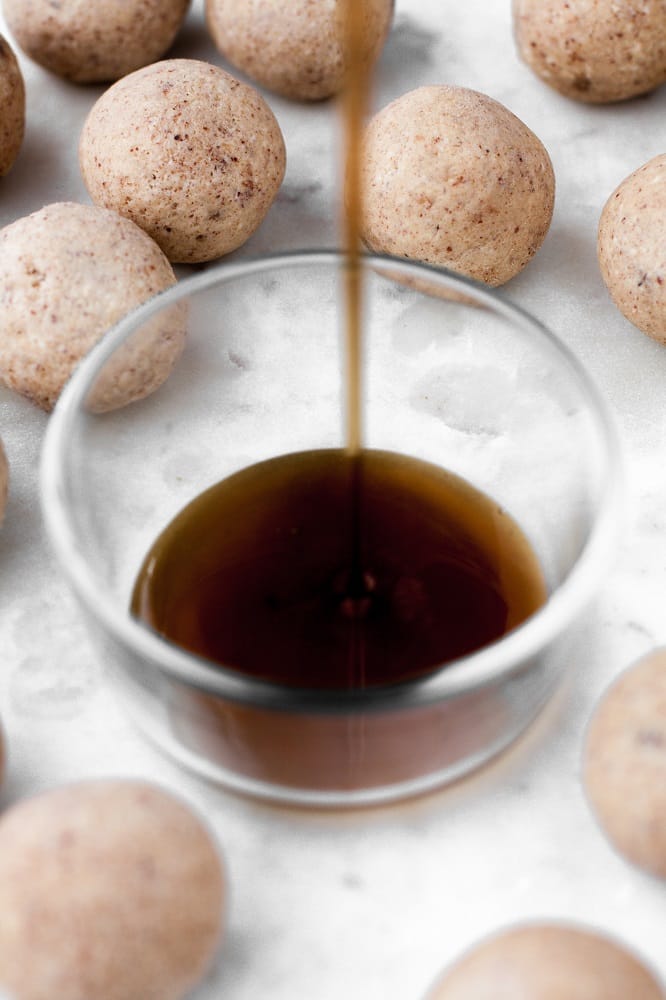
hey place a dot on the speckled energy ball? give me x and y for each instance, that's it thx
(12, 107)
(452, 177)
(92, 42)
(624, 765)
(69, 272)
(631, 246)
(187, 152)
(112, 890)
(294, 47)
(547, 962)
(593, 50)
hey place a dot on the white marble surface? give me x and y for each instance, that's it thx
(371, 905)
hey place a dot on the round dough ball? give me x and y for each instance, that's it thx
(12, 107)
(68, 273)
(187, 152)
(624, 763)
(112, 890)
(547, 962)
(593, 50)
(94, 42)
(4, 489)
(631, 247)
(451, 177)
(293, 47)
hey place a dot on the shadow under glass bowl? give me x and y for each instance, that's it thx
(453, 375)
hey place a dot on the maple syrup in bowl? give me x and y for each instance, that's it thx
(311, 622)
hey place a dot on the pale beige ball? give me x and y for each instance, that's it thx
(294, 47)
(547, 961)
(109, 890)
(451, 177)
(631, 246)
(12, 107)
(624, 763)
(68, 273)
(187, 152)
(596, 51)
(94, 42)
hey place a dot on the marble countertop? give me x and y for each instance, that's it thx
(370, 905)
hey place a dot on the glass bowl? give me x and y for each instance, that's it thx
(453, 375)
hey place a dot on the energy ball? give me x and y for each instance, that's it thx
(68, 273)
(596, 51)
(109, 889)
(451, 177)
(624, 763)
(547, 962)
(631, 247)
(294, 47)
(12, 107)
(187, 152)
(94, 42)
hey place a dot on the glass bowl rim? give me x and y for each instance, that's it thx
(491, 663)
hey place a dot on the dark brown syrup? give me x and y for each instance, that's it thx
(260, 572)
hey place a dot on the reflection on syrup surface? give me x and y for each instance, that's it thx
(262, 573)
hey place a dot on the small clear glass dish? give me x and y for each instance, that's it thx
(454, 375)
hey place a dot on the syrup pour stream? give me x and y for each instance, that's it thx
(359, 584)
(354, 101)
